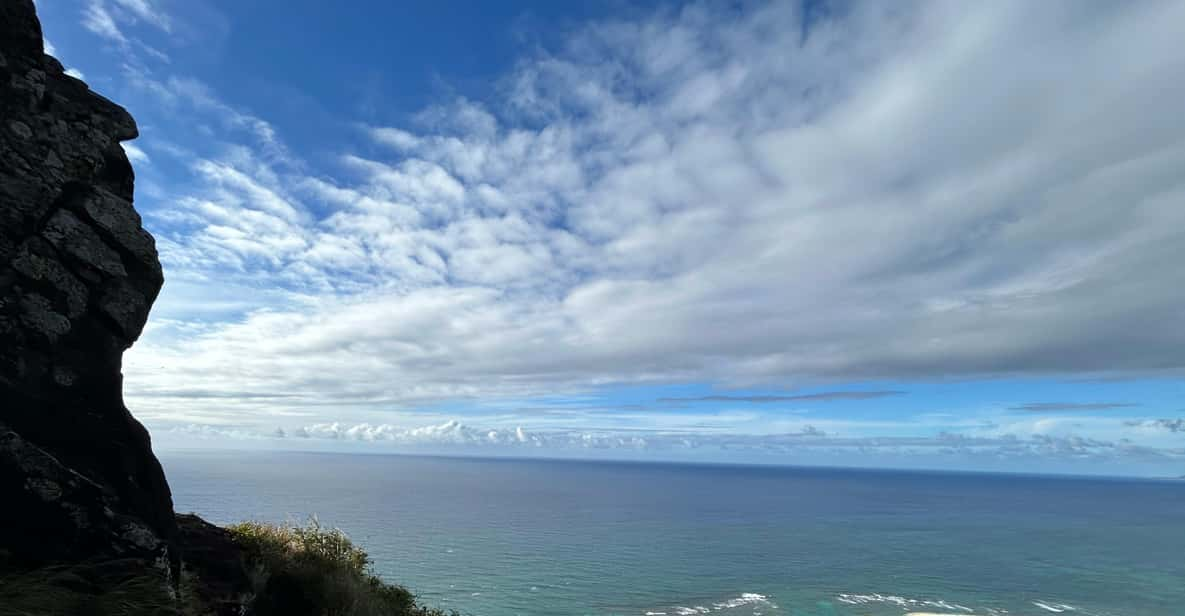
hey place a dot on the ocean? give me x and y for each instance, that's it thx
(499, 537)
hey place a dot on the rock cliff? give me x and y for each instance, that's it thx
(86, 518)
(78, 274)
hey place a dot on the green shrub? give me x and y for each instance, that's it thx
(312, 570)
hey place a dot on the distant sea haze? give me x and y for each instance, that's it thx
(517, 537)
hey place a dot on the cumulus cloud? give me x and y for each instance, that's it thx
(911, 191)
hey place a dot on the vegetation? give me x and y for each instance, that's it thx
(312, 570)
(295, 570)
(93, 589)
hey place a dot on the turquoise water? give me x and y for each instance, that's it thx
(503, 537)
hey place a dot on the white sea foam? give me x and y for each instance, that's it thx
(745, 599)
(925, 607)
(748, 598)
(904, 602)
(1056, 608)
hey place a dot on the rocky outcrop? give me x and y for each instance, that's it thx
(222, 584)
(78, 274)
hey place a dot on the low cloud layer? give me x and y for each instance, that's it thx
(807, 440)
(825, 396)
(1042, 407)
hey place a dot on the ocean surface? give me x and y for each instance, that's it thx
(502, 537)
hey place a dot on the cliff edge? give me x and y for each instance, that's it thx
(86, 517)
(78, 274)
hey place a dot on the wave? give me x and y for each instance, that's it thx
(748, 598)
(759, 604)
(904, 602)
(745, 599)
(924, 607)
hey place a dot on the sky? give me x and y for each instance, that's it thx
(892, 234)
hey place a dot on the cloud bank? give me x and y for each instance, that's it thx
(826, 396)
(805, 441)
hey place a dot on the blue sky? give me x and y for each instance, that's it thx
(936, 235)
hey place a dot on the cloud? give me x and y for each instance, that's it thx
(1041, 407)
(98, 20)
(907, 192)
(194, 95)
(826, 396)
(1170, 425)
(456, 436)
(455, 433)
(394, 137)
(110, 22)
(146, 11)
(135, 154)
(51, 50)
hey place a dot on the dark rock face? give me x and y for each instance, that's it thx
(78, 274)
(224, 586)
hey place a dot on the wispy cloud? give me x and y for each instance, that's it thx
(147, 11)
(134, 153)
(114, 22)
(1040, 407)
(826, 396)
(98, 20)
(1170, 425)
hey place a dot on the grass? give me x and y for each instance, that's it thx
(91, 589)
(296, 570)
(312, 570)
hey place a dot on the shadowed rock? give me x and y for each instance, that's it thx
(78, 274)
